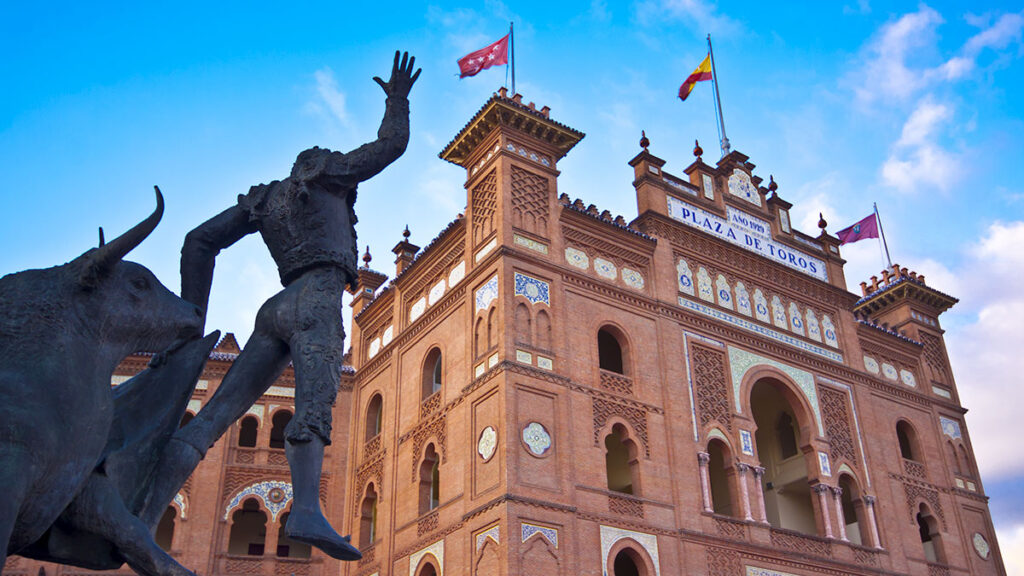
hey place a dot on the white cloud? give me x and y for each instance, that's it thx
(700, 14)
(885, 72)
(330, 96)
(917, 160)
(1011, 546)
(1006, 31)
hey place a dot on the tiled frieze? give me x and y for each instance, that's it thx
(685, 277)
(534, 290)
(605, 267)
(275, 494)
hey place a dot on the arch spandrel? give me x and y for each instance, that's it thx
(611, 535)
(742, 362)
(274, 494)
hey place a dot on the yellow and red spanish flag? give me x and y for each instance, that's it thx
(702, 73)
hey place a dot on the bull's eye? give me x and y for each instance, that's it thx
(140, 283)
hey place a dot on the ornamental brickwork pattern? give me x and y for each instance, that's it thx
(712, 387)
(485, 203)
(837, 424)
(530, 205)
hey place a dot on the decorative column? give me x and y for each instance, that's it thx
(758, 471)
(869, 508)
(837, 497)
(705, 483)
(822, 490)
(741, 470)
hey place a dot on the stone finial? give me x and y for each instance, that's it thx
(644, 142)
(821, 222)
(503, 92)
(697, 150)
(406, 233)
(367, 257)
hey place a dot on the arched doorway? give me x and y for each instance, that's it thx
(720, 477)
(248, 530)
(164, 536)
(852, 513)
(628, 563)
(787, 492)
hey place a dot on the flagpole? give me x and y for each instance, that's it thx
(512, 49)
(882, 231)
(718, 101)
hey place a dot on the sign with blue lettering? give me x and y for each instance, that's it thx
(749, 233)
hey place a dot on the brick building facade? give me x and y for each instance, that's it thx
(548, 389)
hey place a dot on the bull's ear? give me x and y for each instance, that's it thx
(100, 260)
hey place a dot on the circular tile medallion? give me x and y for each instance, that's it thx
(536, 438)
(488, 443)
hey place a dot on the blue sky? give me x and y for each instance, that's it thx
(915, 106)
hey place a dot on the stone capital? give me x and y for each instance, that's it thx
(703, 458)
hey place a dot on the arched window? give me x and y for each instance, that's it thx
(492, 328)
(626, 564)
(908, 441)
(928, 530)
(954, 458)
(279, 424)
(721, 475)
(248, 429)
(609, 350)
(185, 419)
(164, 536)
(430, 480)
(620, 461)
(522, 318)
(374, 417)
(433, 369)
(786, 480)
(427, 570)
(786, 434)
(965, 463)
(853, 509)
(368, 518)
(286, 547)
(248, 530)
(543, 340)
(480, 336)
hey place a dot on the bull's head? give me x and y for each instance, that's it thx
(126, 302)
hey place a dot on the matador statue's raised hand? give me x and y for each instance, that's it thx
(307, 222)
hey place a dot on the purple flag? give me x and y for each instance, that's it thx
(866, 228)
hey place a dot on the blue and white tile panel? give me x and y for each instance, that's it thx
(487, 293)
(275, 496)
(604, 267)
(494, 533)
(610, 535)
(179, 501)
(950, 427)
(824, 465)
(741, 362)
(746, 443)
(436, 550)
(534, 290)
(758, 329)
(551, 534)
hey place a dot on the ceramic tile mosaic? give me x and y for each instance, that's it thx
(709, 187)
(203, 384)
(830, 331)
(685, 277)
(761, 306)
(545, 363)
(536, 438)
(824, 465)
(746, 443)
(981, 545)
(724, 292)
(195, 404)
(532, 289)
(743, 300)
(275, 496)
(524, 357)
(436, 550)
(436, 292)
(756, 571)
(179, 500)
(374, 347)
(389, 334)
(950, 427)
(871, 365)
(960, 483)
(530, 243)
(257, 411)
(633, 279)
(529, 530)
(479, 370)
(704, 289)
(741, 361)
(494, 533)
(485, 250)
(758, 329)
(457, 274)
(813, 330)
(907, 377)
(487, 443)
(417, 309)
(610, 535)
(285, 391)
(487, 293)
(492, 361)
(784, 221)
(779, 313)
(605, 268)
(741, 187)
(578, 258)
(942, 392)
(971, 486)
(889, 371)
(796, 323)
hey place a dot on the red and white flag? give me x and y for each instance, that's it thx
(495, 54)
(866, 228)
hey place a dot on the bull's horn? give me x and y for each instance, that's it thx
(102, 241)
(107, 254)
